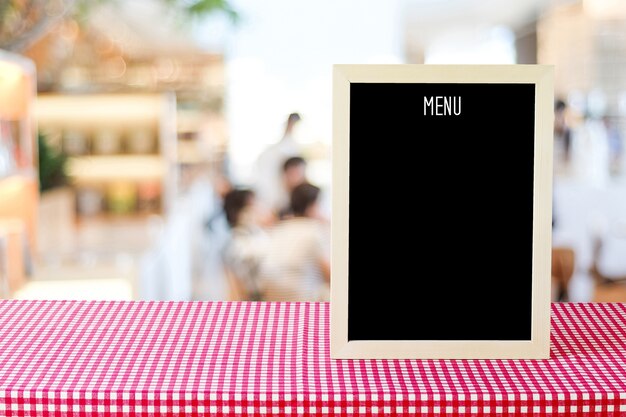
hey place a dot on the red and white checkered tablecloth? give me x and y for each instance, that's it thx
(80, 358)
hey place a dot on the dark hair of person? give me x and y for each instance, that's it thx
(303, 197)
(559, 105)
(293, 117)
(235, 202)
(293, 162)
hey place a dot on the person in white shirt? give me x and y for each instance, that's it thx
(296, 266)
(269, 184)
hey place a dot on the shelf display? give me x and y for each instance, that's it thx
(75, 143)
(121, 197)
(140, 141)
(89, 201)
(148, 196)
(202, 141)
(107, 142)
(121, 148)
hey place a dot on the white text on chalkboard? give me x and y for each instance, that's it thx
(442, 106)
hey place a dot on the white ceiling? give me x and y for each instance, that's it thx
(429, 19)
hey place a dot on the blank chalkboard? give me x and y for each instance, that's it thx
(441, 213)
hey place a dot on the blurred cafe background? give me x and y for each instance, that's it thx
(179, 149)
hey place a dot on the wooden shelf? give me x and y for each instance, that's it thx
(110, 110)
(133, 168)
(123, 114)
(110, 217)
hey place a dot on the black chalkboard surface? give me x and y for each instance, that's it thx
(451, 194)
(446, 181)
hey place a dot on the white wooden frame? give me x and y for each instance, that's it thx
(539, 345)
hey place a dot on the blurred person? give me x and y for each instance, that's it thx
(294, 174)
(562, 132)
(590, 152)
(297, 265)
(206, 198)
(269, 183)
(615, 145)
(246, 249)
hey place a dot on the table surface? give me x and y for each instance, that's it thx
(131, 358)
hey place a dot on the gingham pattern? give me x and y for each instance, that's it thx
(78, 358)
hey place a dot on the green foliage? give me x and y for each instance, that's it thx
(51, 165)
(205, 7)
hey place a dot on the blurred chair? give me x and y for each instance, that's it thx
(599, 277)
(563, 266)
(609, 287)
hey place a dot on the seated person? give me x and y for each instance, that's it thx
(296, 267)
(294, 174)
(245, 251)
